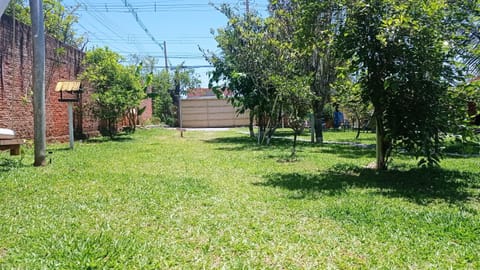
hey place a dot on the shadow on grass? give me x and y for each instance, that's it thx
(242, 143)
(245, 143)
(421, 186)
(348, 151)
(8, 164)
(58, 149)
(118, 138)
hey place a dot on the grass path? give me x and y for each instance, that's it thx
(216, 200)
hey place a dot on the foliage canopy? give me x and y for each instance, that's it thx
(118, 89)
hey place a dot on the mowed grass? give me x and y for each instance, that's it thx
(154, 200)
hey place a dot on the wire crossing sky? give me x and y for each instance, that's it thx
(131, 27)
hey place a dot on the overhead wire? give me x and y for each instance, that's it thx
(124, 43)
(105, 23)
(161, 7)
(141, 24)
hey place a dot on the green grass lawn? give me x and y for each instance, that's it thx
(154, 200)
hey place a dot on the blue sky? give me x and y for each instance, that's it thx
(183, 24)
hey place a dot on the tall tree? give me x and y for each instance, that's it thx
(314, 26)
(183, 79)
(292, 82)
(118, 89)
(244, 66)
(163, 106)
(401, 52)
(349, 95)
(58, 19)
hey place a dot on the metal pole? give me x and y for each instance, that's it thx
(39, 123)
(70, 124)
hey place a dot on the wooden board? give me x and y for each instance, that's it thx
(11, 141)
(11, 144)
(6, 136)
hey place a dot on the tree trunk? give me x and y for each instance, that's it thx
(318, 113)
(312, 128)
(359, 128)
(111, 128)
(294, 149)
(261, 135)
(382, 144)
(261, 129)
(270, 132)
(318, 130)
(250, 124)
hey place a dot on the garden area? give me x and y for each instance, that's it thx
(401, 191)
(154, 200)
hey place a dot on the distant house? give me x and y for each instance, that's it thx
(200, 93)
(202, 109)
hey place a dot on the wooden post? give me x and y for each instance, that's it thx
(180, 119)
(70, 124)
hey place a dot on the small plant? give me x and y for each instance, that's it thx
(27, 98)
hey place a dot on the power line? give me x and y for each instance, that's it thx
(186, 67)
(127, 42)
(145, 29)
(145, 41)
(102, 20)
(153, 6)
(160, 7)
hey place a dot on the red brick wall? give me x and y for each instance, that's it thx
(62, 63)
(147, 114)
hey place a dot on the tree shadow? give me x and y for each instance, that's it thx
(58, 149)
(241, 143)
(118, 138)
(348, 151)
(245, 143)
(421, 186)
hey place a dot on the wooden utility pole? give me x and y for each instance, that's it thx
(165, 54)
(39, 124)
(71, 135)
(247, 7)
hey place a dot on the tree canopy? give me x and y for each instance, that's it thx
(402, 53)
(387, 52)
(118, 89)
(59, 20)
(167, 88)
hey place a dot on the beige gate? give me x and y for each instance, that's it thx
(210, 112)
